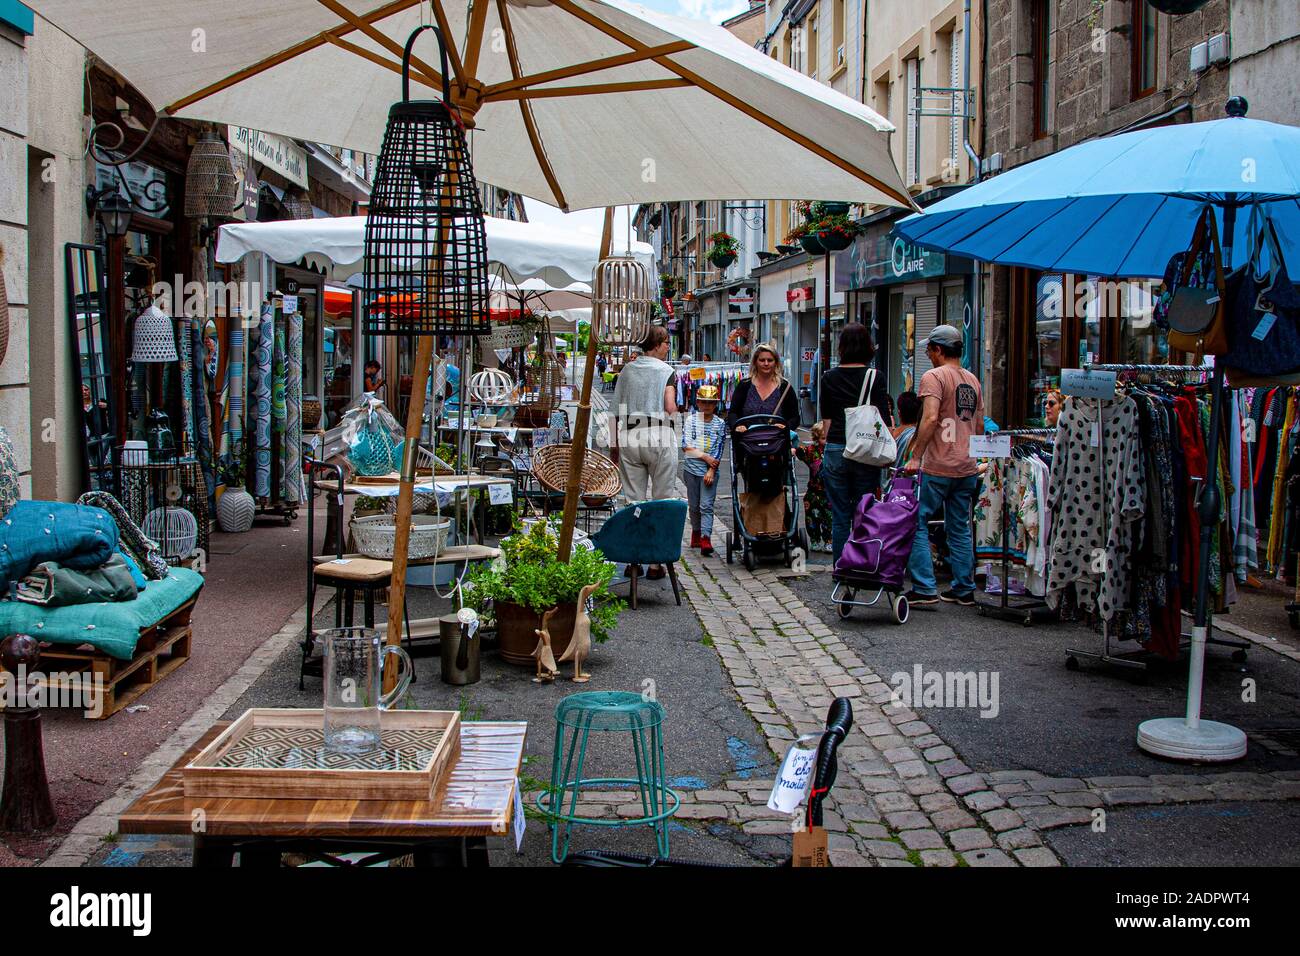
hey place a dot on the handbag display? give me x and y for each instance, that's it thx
(1196, 310)
(1264, 309)
(867, 440)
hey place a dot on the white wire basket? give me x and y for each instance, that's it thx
(175, 529)
(375, 536)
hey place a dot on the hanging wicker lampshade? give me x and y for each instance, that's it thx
(211, 186)
(621, 306)
(543, 392)
(296, 203)
(492, 386)
(425, 245)
(154, 340)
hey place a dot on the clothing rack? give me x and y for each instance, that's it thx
(1134, 659)
(1023, 606)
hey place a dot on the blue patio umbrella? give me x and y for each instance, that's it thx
(1122, 206)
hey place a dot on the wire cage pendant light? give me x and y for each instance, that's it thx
(211, 187)
(622, 301)
(425, 243)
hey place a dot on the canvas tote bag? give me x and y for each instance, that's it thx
(866, 439)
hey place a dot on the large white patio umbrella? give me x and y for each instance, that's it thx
(581, 103)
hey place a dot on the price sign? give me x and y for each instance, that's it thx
(499, 494)
(1087, 384)
(808, 355)
(697, 374)
(794, 779)
(990, 446)
(290, 304)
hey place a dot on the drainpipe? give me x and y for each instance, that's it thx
(975, 287)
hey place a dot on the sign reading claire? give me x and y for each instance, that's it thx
(284, 156)
(879, 258)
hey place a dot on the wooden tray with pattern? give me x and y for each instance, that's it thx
(280, 754)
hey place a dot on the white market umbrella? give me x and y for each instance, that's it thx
(536, 256)
(582, 103)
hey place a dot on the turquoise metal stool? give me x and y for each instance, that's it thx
(607, 712)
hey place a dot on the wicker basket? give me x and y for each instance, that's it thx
(599, 474)
(506, 335)
(376, 535)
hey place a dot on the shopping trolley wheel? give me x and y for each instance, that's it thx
(900, 608)
(842, 607)
(1072, 663)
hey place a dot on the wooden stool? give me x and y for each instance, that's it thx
(348, 576)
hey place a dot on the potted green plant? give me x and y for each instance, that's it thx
(836, 232)
(528, 580)
(723, 248)
(668, 283)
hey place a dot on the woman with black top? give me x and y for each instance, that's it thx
(846, 480)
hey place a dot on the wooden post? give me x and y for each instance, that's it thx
(578, 448)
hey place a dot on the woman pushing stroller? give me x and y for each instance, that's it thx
(762, 403)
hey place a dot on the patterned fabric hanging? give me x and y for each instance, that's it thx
(278, 370)
(292, 448)
(261, 377)
(235, 395)
(186, 354)
(202, 408)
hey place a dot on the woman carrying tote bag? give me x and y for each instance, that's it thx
(844, 389)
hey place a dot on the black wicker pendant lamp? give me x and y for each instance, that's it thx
(425, 243)
(425, 264)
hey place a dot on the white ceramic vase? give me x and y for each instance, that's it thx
(236, 510)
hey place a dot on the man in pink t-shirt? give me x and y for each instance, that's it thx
(952, 411)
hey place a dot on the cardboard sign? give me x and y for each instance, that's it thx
(697, 374)
(1087, 384)
(811, 848)
(794, 779)
(990, 446)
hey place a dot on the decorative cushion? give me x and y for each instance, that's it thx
(8, 474)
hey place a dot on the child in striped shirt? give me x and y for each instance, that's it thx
(703, 439)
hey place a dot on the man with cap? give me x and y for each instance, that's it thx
(952, 411)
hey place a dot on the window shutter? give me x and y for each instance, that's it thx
(927, 317)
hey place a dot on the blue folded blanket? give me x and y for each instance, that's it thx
(76, 536)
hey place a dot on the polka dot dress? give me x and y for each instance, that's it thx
(1095, 500)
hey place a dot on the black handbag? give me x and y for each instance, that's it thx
(1264, 309)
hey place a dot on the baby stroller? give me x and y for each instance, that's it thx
(761, 457)
(875, 556)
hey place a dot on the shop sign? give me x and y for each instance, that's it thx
(741, 301)
(284, 156)
(801, 297)
(880, 258)
(668, 305)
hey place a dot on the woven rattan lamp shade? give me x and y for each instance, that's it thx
(154, 340)
(621, 305)
(211, 186)
(492, 386)
(543, 392)
(296, 203)
(425, 245)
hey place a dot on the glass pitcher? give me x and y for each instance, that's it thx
(354, 670)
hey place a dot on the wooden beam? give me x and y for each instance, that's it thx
(735, 101)
(379, 36)
(526, 111)
(581, 69)
(433, 82)
(457, 67)
(595, 89)
(474, 37)
(261, 66)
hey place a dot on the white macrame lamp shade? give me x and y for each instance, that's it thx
(491, 386)
(621, 306)
(154, 340)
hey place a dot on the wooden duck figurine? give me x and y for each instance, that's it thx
(547, 669)
(580, 646)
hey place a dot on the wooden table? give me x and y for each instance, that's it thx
(473, 801)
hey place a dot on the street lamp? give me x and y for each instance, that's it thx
(114, 214)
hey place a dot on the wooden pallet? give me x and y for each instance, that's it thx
(161, 649)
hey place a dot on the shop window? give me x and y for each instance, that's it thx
(838, 58)
(1144, 48)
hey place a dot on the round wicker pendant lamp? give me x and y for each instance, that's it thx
(622, 301)
(211, 186)
(425, 244)
(492, 386)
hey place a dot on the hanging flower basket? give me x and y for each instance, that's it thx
(723, 259)
(834, 241)
(812, 245)
(723, 247)
(820, 210)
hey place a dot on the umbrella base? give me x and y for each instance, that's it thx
(1210, 742)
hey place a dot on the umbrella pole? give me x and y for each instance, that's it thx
(1190, 738)
(578, 446)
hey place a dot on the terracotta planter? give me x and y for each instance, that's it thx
(515, 631)
(812, 245)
